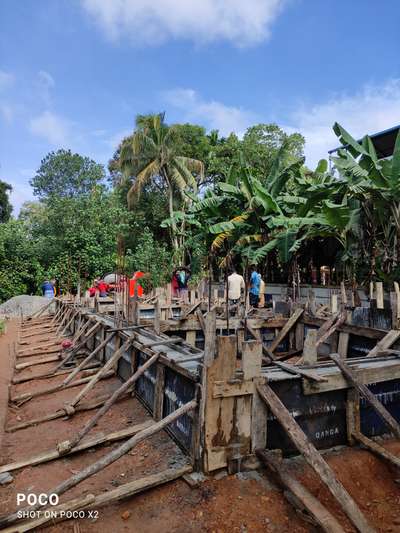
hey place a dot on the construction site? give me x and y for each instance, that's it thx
(142, 412)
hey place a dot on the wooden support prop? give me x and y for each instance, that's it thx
(38, 333)
(87, 370)
(343, 344)
(385, 343)
(367, 394)
(157, 316)
(309, 374)
(314, 459)
(105, 498)
(378, 450)
(87, 359)
(65, 318)
(79, 346)
(308, 501)
(379, 295)
(74, 315)
(286, 328)
(108, 459)
(340, 319)
(353, 419)
(49, 359)
(256, 335)
(55, 388)
(109, 364)
(57, 315)
(42, 351)
(97, 440)
(66, 446)
(190, 310)
(201, 320)
(60, 413)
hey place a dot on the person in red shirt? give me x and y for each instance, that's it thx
(102, 287)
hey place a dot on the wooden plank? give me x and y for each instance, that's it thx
(337, 381)
(340, 319)
(286, 328)
(200, 317)
(314, 459)
(109, 364)
(159, 392)
(310, 354)
(60, 413)
(224, 389)
(378, 450)
(367, 394)
(343, 344)
(353, 421)
(42, 361)
(86, 444)
(296, 370)
(379, 295)
(251, 359)
(299, 336)
(219, 411)
(55, 388)
(314, 507)
(387, 341)
(259, 413)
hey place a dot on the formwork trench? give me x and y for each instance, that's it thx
(216, 366)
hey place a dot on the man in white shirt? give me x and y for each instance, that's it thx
(235, 287)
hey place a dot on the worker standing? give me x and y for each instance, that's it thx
(47, 289)
(255, 282)
(235, 287)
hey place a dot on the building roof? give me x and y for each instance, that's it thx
(383, 142)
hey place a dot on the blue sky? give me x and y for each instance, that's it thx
(74, 73)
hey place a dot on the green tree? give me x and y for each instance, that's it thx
(66, 175)
(5, 206)
(150, 155)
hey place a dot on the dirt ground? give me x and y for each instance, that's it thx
(245, 502)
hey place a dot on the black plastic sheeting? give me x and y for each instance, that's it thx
(388, 393)
(323, 416)
(177, 391)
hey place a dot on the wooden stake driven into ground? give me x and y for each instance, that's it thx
(314, 459)
(367, 394)
(109, 364)
(66, 446)
(108, 459)
(314, 507)
(286, 328)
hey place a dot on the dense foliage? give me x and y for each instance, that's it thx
(177, 194)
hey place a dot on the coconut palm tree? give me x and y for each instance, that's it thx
(150, 155)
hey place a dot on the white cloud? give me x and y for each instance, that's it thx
(213, 114)
(52, 127)
(6, 80)
(150, 22)
(369, 110)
